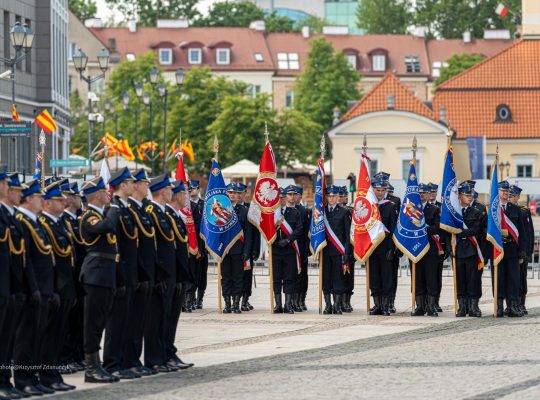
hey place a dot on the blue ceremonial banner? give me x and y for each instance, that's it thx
(220, 227)
(410, 235)
(37, 170)
(477, 156)
(317, 231)
(451, 218)
(494, 230)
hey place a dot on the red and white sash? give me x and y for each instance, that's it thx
(331, 235)
(480, 257)
(437, 240)
(286, 228)
(507, 224)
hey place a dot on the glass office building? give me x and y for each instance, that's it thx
(342, 12)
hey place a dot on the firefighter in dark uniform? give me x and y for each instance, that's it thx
(301, 284)
(515, 193)
(35, 318)
(515, 248)
(381, 261)
(349, 273)
(255, 250)
(146, 264)
(444, 239)
(284, 263)
(23, 287)
(467, 256)
(202, 261)
(397, 201)
(64, 256)
(335, 258)
(73, 353)
(155, 355)
(98, 273)
(119, 327)
(178, 201)
(427, 273)
(232, 265)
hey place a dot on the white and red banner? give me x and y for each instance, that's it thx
(367, 229)
(501, 10)
(186, 213)
(287, 229)
(508, 226)
(264, 211)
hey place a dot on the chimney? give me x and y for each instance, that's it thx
(93, 23)
(305, 32)
(258, 26)
(132, 26)
(531, 19)
(467, 36)
(172, 23)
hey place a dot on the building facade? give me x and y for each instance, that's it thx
(41, 80)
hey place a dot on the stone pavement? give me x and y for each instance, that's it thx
(259, 355)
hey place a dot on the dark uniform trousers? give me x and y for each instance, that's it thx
(255, 250)
(349, 273)
(31, 331)
(381, 269)
(155, 336)
(427, 269)
(56, 329)
(303, 245)
(232, 266)
(333, 274)
(200, 273)
(120, 327)
(397, 201)
(284, 267)
(98, 272)
(509, 273)
(529, 229)
(484, 244)
(467, 255)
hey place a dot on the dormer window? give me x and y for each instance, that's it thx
(165, 56)
(379, 62)
(412, 64)
(195, 56)
(223, 56)
(351, 59)
(258, 57)
(503, 114)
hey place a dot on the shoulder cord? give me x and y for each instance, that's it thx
(111, 237)
(43, 248)
(55, 245)
(141, 226)
(179, 236)
(72, 233)
(166, 237)
(6, 236)
(130, 237)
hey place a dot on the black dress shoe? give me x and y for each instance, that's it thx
(70, 387)
(180, 360)
(160, 369)
(31, 390)
(122, 374)
(5, 394)
(57, 387)
(17, 393)
(44, 389)
(139, 371)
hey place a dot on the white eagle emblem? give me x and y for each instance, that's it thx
(267, 192)
(360, 211)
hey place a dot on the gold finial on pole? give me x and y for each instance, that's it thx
(266, 132)
(449, 137)
(323, 146)
(414, 147)
(216, 147)
(180, 137)
(364, 144)
(42, 142)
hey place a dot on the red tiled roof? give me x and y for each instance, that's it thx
(442, 50)
(511, 77)
(376, 100)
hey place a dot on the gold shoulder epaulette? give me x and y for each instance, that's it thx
(149, 208)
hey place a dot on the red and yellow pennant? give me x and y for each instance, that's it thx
(125, 150)
(187, 149)
(14, 113)
(46, 122)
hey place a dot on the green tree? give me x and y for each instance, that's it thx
(457, 64)
(232, 14)
(147, 12)
(276, 23)
(450, 18)
(327, 81)
(83, 9)
(314, 23)
(384, 16)
(79, 137)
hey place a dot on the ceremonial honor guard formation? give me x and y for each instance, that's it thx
(96, 278)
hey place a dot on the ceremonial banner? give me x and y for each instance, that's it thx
(317, 234)
(367, 229)
(186, 213)
(495, 216)
(451, 218)
(37, 170)
(220, 228)
(410, 235)
(477, 147)
(264, 211)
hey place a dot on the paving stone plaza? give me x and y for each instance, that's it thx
(258, 355)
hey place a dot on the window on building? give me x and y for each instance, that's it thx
(112, 44)
(412, 64)
(379, 62)
(524, 171)
(503, 114)
(130, 56)
(288, 61)
(405, 166)
(289, 99)
(253, 90)
(28, 60)
(351, 58)
(72, 49)
(436, 68)
(165, 56)
(373, 167)
(223, 56)
(195, 56)
(258, 57)
(7, 44)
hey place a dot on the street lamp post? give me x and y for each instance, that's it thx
(80, 60)
(147, 102)
(21, 38)
(125, 100)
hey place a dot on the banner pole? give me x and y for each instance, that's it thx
(368, 294)
(220, 308)
(320, 282)
(495, 287)
(271, 277)
(454, 269)
(413, 277)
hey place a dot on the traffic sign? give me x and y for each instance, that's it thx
(15, 129)
(70, 162)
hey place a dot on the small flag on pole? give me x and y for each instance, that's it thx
(46, 122)
(37, 170)
(495, 217)
(14, 113)
(501, 10)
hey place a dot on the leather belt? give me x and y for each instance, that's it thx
(108, 256)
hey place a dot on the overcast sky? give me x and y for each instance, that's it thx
(104, 12)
